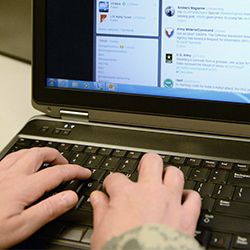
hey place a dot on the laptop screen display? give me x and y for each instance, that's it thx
(184, 49)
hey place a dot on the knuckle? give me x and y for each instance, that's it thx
(196, 196)
(37, 152)
(152, 156)
(60, 171)
(50, 209)
(176, 171)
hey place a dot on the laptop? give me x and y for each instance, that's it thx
(117, 79)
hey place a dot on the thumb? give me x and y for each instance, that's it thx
(99, 202)
(36, 216)
(51, 208)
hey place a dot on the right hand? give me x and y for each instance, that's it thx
(157, 197)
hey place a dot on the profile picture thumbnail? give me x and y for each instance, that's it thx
(170, 11)
(103, 6)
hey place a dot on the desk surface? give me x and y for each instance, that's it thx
(15, 98)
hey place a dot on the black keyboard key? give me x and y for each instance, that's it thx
(90, 186)
(17, 148)
(74, 185)
(105, 151)
(132, 177)
(240, 179)
(176, 160)
(209, 164)
(199, 174)
(66, 154)
(193, 162)
(202, 236)
(64, 147)
(224, 191)
(226, 165)
(97, 174)
(165, 158)
(91, 150)
(86, 204)
(128, 166)
(24, 142)
(65, 132)
(52, 144)
(78, 158)
(186, 171)
(119, 153)
(205, 189)
(38, 143)
(239, 209)
(221, 240)
(78, 148)
(56, 131)
(134, 155)
(242, 194)
(110, 163)
(224, 223)
(242, 167)
(14, 149)
(218, 176)
(189, 184)
(241, 242)
(54, 191)
(94, 161)
(106, 174)
(207, 204)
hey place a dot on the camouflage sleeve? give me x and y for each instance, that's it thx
(153, 237)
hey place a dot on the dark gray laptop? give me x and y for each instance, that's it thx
(116, 79)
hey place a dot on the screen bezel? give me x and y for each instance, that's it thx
(118, 102)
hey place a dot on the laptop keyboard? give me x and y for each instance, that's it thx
(224, 222)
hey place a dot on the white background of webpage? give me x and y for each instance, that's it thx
(198, 46)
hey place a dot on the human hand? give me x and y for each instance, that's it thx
(157, 197)
(21, 186)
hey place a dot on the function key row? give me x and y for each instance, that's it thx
(67, 147)
(208, 164)
(92, 150)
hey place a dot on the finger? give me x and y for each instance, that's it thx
(114, 182)
(49, 178)
(150, 168)
(42, 213)
(32, 160)
(99, 202)
(191, 202)
(192, 207)
(174, 180)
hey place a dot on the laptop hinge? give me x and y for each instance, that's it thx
(75, 116)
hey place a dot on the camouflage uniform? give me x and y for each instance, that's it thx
(153, 237)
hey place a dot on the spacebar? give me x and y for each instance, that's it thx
(80, 217)
(224, 223)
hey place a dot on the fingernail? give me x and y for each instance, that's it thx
(94, 198)
(69, 199)
(88, 171)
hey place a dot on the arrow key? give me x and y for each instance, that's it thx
(221, 240)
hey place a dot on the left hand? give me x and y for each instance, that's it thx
(21, 186)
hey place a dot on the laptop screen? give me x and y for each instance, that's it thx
(189, 49)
